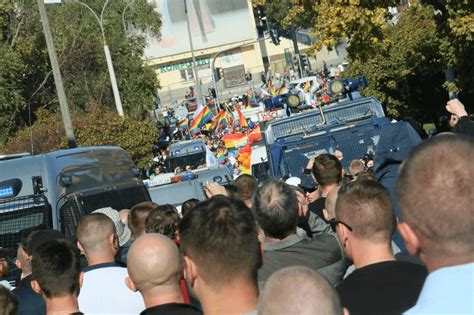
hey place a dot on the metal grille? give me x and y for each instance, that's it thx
(354, 142)
(303, 123)
(347, 114)
(78, 205)
(19, 216)
(337, 114)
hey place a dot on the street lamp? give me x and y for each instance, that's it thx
(108, 58)
(58, 80)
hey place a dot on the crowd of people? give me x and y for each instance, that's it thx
(311, 93)
(273, 248)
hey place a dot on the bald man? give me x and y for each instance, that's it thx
(299, 290)
(436, 193)
(103, 289)
(155, 269)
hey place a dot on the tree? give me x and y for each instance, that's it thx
(79, 45)
(404, 59)
(97, 125)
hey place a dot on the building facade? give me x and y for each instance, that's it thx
(221, 30)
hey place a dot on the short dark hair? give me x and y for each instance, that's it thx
(365, 206)
(436, 193)
(276, 208)
(327, 169)
(188, 205)
(220, 236)
(36, 238)
(8, 302)
(232, 191)
(163, 220)
(138, 215)
(56, 267)
(247, 185)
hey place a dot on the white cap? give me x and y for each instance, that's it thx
(293, 181)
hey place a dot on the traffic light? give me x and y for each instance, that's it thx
(213, 93)
(305, 65)
(275, 36)
(217, 74)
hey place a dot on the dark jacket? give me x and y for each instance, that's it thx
(396, 141)
(30, 303)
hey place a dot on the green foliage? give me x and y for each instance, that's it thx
(405, 62)
(96, 126)
(27, 77)
(402, 70)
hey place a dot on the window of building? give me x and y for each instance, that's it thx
(187, 74)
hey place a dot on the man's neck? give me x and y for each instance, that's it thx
(433, 264)
(366, 253)
(101, 258)
(270, 239)
(237, 297)
(162, 295)
(326, 189)
(62, 305)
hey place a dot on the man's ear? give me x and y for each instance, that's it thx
(300, 210)
(129, 283)
(343, 234)
(81, 279)
(35, 286)
(81, 249)
(326, 214)
(113, 241)
(412, 241)
(190, 271)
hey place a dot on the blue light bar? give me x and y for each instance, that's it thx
(6, 192)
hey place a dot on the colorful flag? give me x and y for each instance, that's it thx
(216, 120)
(306, 86)
(221, 157)
(235, 140)
(242, 120)
(223, 122)
(271, 89)
(200, 119)
(282, 88)
(183, 124)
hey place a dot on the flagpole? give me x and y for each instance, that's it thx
(196, 74)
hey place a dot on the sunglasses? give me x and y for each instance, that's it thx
(333, 223)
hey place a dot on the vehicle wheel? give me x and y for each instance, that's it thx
(293, 100)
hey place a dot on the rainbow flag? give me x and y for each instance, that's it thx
(223, 122)
(242, 120)
(251, 100)
(183, 124)
(216, 120)
(282, 88)
(306, 86)
(200, 119)
(271, 89)
(221, 157)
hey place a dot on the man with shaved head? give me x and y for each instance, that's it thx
(104, 289)
(365, 223)
(299, 290)
(435, 187)
(155, 269)
(220, 245)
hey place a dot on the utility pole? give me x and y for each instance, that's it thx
(196, 75)
(108, 57)
(295, 43)
(58, 81)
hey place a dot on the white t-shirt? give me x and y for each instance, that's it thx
(104, 291)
